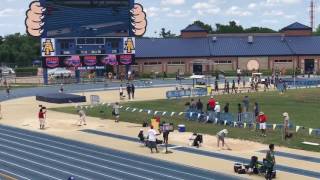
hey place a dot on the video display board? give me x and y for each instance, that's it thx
(87, 28)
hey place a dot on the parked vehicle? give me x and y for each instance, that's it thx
(59, 73)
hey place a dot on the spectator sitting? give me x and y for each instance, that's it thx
(141, 137)
(226, 108)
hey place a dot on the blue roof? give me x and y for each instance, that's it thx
(296, 26)
(239, 46)
(193, 28)
(308, 45)
(193, 47)
(228, 46)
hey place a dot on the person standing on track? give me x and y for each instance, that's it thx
(41, 116)
(116, 111)
(271, 161)
(152, 139)
(133, 89)
(129, 91)
(220, 137)
(82, 119)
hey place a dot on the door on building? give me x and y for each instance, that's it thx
(197, 69)
(309, 66)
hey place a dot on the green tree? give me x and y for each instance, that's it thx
(317, 32)
(166, 34)
(232, 27)
(259, 30)
(204, 26)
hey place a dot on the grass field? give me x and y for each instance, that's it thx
(303, 107)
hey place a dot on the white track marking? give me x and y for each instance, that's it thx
(30, 169)
(59, 162)
(111, 155)
(11, 173)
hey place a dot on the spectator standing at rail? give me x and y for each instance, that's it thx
(233, 89)
(246, 103)
(193, 105)
(226, 108)
(216, 86)
(256, 111)
(228, 87)
(239, 112)
(8, 90)
(225, 86)
(244, 83)
(152, 139)
(217, 109)
(116, 111)
(199, 106)
(263, 123)
(133, 90)
(239, 79)
(271, 161)
(61, 88)
(129, 91)
(210, 107)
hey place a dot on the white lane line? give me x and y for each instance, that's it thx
(111, 155)
(37, 172)
(60, 163)
(142, 177)
(175, 147)
(14, 174)
(75, 159)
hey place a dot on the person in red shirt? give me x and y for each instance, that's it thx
(211, 104)
(262, 119)
(41, 116)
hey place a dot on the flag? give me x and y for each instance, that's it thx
(172, 113)
(121, 107)
(199, 115)
(234, 124)
(134, 109)
(225, 122)
(164, 113)
(127, 108)
(207, 118)
(244, 125)
(191, 113)
(180, 113)
(149, 111)
(140, 110)
(310, 131)
(156, 112)
(297, 128)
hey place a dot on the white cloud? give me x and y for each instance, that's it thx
(270, 21)
(279, 2)
(252, 5)
(204, 8)
(172, 2)
(11, 12)
(236, 11)
(273, 13)
(155, 11)
(178, 13)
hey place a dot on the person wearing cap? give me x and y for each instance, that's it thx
(221, 135)
(262, 119)
(286, 122)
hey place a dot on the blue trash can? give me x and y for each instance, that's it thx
(181, 128)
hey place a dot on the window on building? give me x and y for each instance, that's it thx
(152, 63)
(283, 61)
(223, 62)
(176, 62)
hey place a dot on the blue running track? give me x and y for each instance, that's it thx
(30, 155)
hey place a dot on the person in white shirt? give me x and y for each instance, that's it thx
(121, 92)
(220, 137)
(82, 119)
(217, 109)
(152, 139)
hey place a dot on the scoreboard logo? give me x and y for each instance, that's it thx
(129, 45)
(48, 47)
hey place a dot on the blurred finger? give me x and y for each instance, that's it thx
(35, 32)
(139, 32)
(137, 9)
(34, 25)
(140, 25)
(139, 17)
(34, 17)
(36, 8)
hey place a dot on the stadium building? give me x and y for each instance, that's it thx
(198, 52)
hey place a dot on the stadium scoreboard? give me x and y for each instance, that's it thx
(87, 33)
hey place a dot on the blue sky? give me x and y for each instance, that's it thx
(174, 15)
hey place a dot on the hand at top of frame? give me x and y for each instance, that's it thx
(35, 15)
